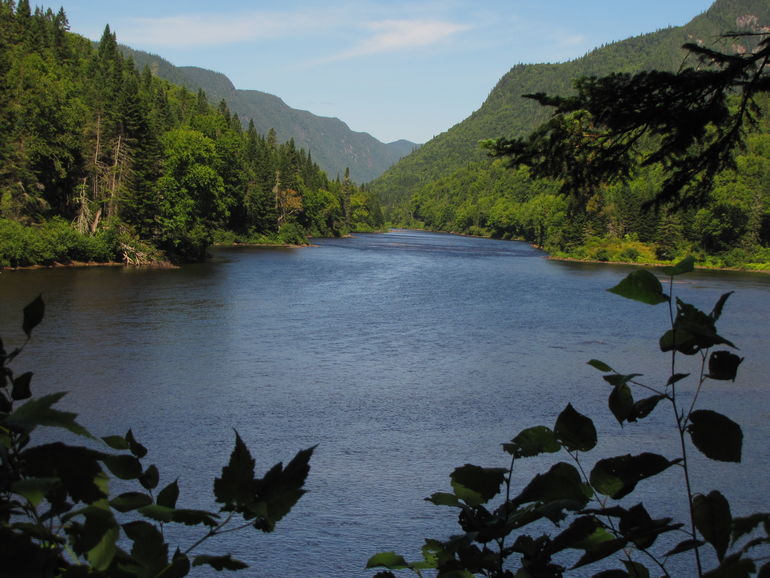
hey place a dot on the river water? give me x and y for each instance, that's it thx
(402, 355)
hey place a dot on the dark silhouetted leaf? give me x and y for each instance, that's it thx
(130, 501)
(605, 546)
(236, 488)
(389, 560)
(733, 567)
(635, 569)
(617, 477)
(533, 441)
(713, 520)
(476, 485)
(136, 448)
(621, 403)
(179, 567)
(716, 313)
(40, 412)
(600, 365)
(574, 430)
(562, 483)
(116, 442)
(746, 525)
(34, 489)
(641, 286)
(723, 365)
(150, 478)
(220, 562)
(685, 546)
(21, 387)
(686, 265)
(644, 407)
(33, 315)
(169, 495)
(149, 548)
(717, 436)
(444, 499)
(676, 378)
(693, 330)
(76, 467)
(123, 466)
(617, 379)
(574, 536)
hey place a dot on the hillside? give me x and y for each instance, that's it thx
(332, 144)
(505, 113)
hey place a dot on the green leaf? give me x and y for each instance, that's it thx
(136, 448)
(617, 477)
(236, 487)
(532, 442)
(574, 430)
(77, 468)
(621, 403)
(684, 546)
(686, 265)
(34, 489)
(600, 365)
(635, 569)
(21, 387)
(130, 501)
(389, 560)
(641, 286)
(445, 499)
(123, 466)
(33, 315)
(723, 365)
(561, 484)
(713, 520)
(476, 485)
(39, 412)
(116, 442)
(100, 556)
(169, 495)
(717, 436)
(220, 563)
(150, 478)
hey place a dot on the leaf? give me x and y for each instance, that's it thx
(116, 442)
(39, 412)
(389, 560)
(644, 407)
(533, 441)
(100, 556)
(220, 562)
(149, 548)
(746, 525)
(33, 315)
(130, 501)
(136, 448)
(621, 403)
(693, 330)
(685, 546)
(713, 520)
(676, 378)
(574, 430)
(635, 569)
(236, 487)
(444, 499)
(716, 313)
(476, 485)
(21, 387)
(723, 365)
(641, 286)
(733, 567)
(600, 365)
(34, 489)
(179, 567)
(150, 478)
(686, 265)
(617, 477)
(123, 466)
(76, 467)
(717, 436)
(169, 495)
(562, 483)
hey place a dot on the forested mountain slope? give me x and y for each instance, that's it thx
(331, 143)
(506, 113)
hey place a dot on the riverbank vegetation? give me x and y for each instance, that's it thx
(100, 161)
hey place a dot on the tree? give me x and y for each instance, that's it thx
(690, 122)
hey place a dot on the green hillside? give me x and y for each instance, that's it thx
(331, 143)
(505, 113)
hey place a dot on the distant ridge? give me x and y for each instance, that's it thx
(332, 144)
(506, 113)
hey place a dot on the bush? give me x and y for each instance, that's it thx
(292, 234)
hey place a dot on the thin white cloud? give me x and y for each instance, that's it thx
(399, 35)
(186, 31)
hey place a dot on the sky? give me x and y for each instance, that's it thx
(395, 69)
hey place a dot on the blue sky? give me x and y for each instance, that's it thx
(391, 68)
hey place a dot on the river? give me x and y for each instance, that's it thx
(402, 355)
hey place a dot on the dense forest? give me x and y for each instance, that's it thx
(100, 161)
(451, 184)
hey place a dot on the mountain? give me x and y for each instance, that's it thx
(506, 113)
(329, 140)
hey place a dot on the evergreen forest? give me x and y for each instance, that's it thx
(452, 184)
(101, 161)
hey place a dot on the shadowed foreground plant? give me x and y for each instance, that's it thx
(567, 518)
(58, 516)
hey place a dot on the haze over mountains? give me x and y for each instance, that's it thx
(332, 144)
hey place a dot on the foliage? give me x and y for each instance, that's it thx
(60, 514)
(568, 517)
(88, 138)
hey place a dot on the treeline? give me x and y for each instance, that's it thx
(732, 229)
(101, 161)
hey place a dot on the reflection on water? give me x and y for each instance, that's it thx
(402, 355)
